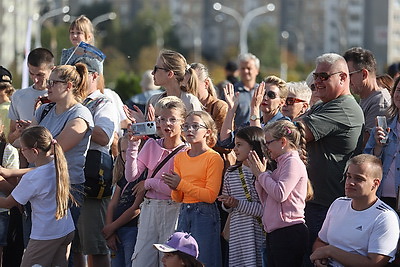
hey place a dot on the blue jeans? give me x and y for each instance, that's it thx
(315, 215)
(127, 237)
(77, 191)
(203, 222)
(4, 219)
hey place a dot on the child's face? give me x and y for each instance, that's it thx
(171, 260)
(124, 147)
(195, 130)
(76, 36)
(28, 153)
(274, 146)
(241, 149)
(170, 121)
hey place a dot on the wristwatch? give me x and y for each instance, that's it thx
(254, 117)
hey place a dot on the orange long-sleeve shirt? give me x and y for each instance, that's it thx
(201, 177)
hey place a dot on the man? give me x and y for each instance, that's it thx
(249, 66)
(333, 129)
(93, 210)
(373, 100)
(40, 64)
(359, 229)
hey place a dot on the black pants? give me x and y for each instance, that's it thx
(287, 246)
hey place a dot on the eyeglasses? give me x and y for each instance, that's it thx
(271, 95)
(171, 120)
(269, 142)
(323, 75)
(156, 68)
(291, 100)
(51, 83)
(355, 71)
(194, 127)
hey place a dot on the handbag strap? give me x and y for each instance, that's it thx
(248, 196)
(165, 160)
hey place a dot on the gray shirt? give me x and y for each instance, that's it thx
(56, 123)
(374, 105)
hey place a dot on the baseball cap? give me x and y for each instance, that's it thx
(5, 75)
(92, 64)
(180, 241)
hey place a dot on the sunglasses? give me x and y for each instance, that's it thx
(323, 75)
(271, 95)
(291, 100)
(156, 68)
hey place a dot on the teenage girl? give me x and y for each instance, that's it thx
(159, 212)
(123, 211)
(239, 197)
(196, 181)
(80, 30)
(47, 188)
(283, 192)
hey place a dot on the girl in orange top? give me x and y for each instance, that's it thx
(196, 181)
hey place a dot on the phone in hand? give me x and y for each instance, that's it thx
(44, 99)
(381, 121)
(144, 128)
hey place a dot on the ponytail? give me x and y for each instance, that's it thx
(62, 181)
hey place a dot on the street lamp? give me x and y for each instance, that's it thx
(196, 31)
(45, 16)
(244, 22)
(159, 33)
(284, 55)
(104, 17)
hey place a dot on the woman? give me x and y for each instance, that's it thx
(177, 78)
(388, 151)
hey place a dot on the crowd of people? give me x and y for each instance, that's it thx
(274, 173)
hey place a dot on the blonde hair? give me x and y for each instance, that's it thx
(170, 102)
(7, 87)
(296, 136)
(278, 82)
(83, 24)
(77, 75)
(211, 139)
(184, 75)
(203, 75)
(40, 138)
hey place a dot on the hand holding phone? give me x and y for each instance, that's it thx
(144, 128)
(381, 122)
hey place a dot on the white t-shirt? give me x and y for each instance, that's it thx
(23, 103)
(39, 188)
(374, 230)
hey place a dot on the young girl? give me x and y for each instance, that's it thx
(159, 213)
(80, 30)
(283, 192)
(47, 188)
(196, 181)
(123, 211)
(239, 197)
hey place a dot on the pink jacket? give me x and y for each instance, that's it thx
(283, 192)
(149, 156)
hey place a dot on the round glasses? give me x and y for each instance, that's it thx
(195, 127)
(51, 83)
(171, 120)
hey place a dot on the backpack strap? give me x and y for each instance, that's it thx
(46, 110)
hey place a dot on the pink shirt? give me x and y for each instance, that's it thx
(283, 192)
(149, 156)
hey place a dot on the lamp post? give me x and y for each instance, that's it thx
(159, 33)
(104, 17)
(284, 55)
(244, 22)
(43, 18)
(196, 31)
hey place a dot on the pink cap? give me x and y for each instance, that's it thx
(180, 241)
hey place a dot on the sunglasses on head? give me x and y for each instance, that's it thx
(323, 75)
(271, 95)
(291, 100)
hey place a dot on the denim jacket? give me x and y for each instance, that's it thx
(388, 152)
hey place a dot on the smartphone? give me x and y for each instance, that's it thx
(44, 99)
(381, 121)
(144, 128)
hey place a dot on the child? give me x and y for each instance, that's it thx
(123, 211)
(239, 197)
(9, 160)
(180, 250)
(283, 192)
(159, 212)
(196, 181)
(80, 30)
(47, 188)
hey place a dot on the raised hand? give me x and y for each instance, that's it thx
(134, 116)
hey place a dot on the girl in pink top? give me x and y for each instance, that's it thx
(283, 192)
(159, 212)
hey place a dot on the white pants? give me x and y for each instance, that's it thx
(157, 222)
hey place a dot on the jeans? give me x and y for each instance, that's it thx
(127, 237)
(203, 222)
(77, 191)
(315, 215)
(4, 219)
